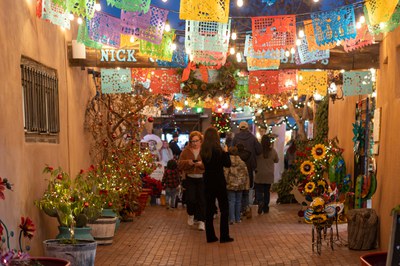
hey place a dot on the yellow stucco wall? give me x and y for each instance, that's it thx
(22, 33)
(342, 115)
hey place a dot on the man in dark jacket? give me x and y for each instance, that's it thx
(252, 146)
(173, 145)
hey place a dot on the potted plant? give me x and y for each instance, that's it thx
(74, 204)
(19, 256)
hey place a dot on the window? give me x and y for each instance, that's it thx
(40, 102)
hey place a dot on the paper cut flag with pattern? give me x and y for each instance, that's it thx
(116, 81)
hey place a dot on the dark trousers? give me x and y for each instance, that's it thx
(195, 198)
(263, 195)
(222, 196)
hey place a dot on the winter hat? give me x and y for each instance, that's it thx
(243, 125)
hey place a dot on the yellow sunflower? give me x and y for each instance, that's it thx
(318, 151)
(321, 183)
(309, 188)
(307, 167)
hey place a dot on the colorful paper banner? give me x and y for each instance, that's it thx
(264, 82)
(149, 26)
(162, 51)
(105, 29)
(207, 36)
(310, 82)
(165, 81)
(116, 81)
(357, 83)
(204, 10)
(335, 25)
(274, 32)
(131, 5)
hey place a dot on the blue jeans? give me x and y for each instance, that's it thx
(262, 195)
(235, 204)
(170, 195)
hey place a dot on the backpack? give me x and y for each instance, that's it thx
(237, 175)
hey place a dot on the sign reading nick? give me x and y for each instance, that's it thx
(122, 55)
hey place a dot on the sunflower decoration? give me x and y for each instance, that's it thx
(309, 187)
(307, 167)
(321, 184)
(318, 151)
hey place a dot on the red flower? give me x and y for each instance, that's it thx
(60, 176)
(49, 168)
(81, 172)
(27, 227)
(103, 192)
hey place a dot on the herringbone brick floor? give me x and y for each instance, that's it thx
(162, 237)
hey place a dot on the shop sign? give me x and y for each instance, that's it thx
(122, 55)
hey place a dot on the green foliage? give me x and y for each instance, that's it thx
(321, 119)
(72, 202)
(284, 186)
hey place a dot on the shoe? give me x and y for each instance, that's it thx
(226, 240)
(211, 240)
(260, 208)
(190, 220)
(266, 210)
(231, 223)
(202, 226)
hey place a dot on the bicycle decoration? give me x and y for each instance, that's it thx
(322, 180)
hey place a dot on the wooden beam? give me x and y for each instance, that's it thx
(364, 58)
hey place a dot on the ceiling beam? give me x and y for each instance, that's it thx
(364, 58)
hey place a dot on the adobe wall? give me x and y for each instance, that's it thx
(341, 117)
(22, 33)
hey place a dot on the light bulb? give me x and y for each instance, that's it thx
(167, 27)
(358, 25)
(338, 43)
(301, 34)
(316, 1)
(238, 57)
(287, 53)
(362, 19)
(71, 17)
(296, 97)
(80, 21)
(232, 50)
(164, 1)
(173, 46)
(132, 39)
(234, 36)
(298, 42)
(292, 50)
(97, 7)
(239, 3)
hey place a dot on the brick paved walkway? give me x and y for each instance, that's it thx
(162, 237)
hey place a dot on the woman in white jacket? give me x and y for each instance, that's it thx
(265, 174)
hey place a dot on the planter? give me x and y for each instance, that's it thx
(374, 259)
(44, 261)
(142, 200)
(111, 213)
(80, 233)
(81, 253)
(103, 230)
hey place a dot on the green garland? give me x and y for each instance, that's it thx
(197, 89)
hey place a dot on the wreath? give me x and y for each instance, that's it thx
(198, 90)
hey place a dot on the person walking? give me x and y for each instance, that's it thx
(237, 179)
(173, 145)
(250, 144)
(265, 174)
(165, 153)
(190, 162)
(215, 158)
(171, 180)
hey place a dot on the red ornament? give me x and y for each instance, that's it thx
(86, 204)
(110, 204)
(150, 119)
